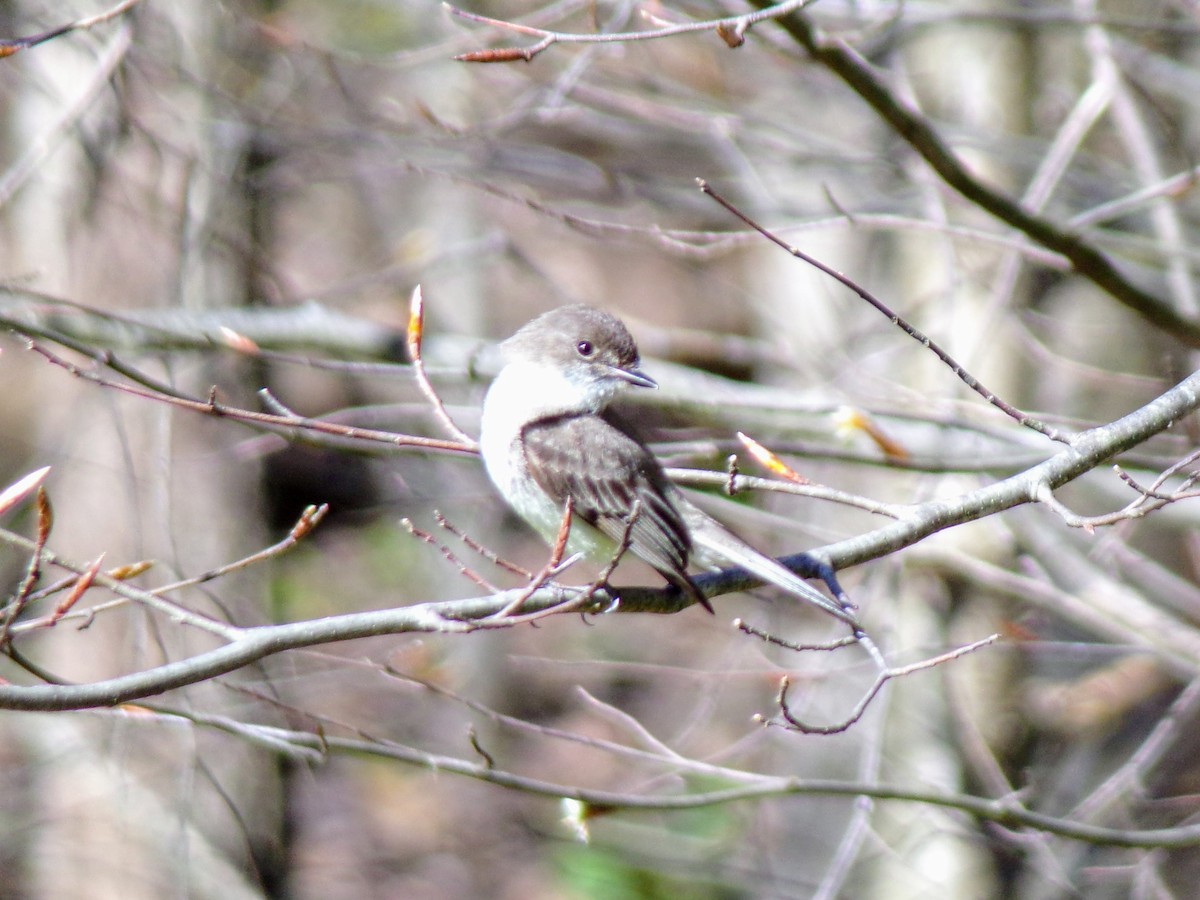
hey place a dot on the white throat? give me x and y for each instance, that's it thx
(526, 390)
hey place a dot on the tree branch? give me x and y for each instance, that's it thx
(919, 134)
(1005, 811)
(247, 645)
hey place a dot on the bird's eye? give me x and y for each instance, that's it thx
(585, 348)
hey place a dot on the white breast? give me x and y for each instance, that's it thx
(521, 393)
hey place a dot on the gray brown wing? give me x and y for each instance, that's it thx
(604, 471)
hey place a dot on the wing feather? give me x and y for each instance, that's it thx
(605, 472)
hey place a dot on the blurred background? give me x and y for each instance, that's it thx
(290, 170)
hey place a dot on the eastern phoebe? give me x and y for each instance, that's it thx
(547, 436)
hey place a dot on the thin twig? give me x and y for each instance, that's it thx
(630, 723)
(33, 571)
(746, 628)
(486, 552)
(309, 519)
(416, 328)
(1007, 812)
(16, 492)
(1149, 499)
(731, 30)
(793, 723)
(14, 45)
(622, 548)
(911, 330)
(448, 555)
(735, 482)
(211, 406)
(553, 566)
(156, 597)
(488, 759)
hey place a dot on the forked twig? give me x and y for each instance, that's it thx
(553, 566)
(448, 555)
(487, 553)
(581, 600)
(1149, 499)
(791, 722)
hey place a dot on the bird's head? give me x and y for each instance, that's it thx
(585, 354)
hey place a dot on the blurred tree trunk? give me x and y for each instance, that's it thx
(123, 812)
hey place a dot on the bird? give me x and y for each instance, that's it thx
(549, 439)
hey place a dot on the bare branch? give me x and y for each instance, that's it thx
(731, 30)
(279, 422)
(247, 645)
(919, 133)
(794, 723)
(911, 330)
(14, 45)
(1008, 812)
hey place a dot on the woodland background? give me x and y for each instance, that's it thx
(291, 170)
